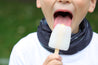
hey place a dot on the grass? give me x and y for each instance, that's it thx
(19, 19)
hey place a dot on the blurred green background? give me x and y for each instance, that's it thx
(19, 18)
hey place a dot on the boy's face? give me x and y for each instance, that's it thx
(68, 12)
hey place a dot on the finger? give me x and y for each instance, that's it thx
(52, 57)
(55, 62)
(55, 56)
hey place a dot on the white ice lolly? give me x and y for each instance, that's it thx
(60, 37)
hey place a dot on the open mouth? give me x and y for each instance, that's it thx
(63, 14)
(63, 17)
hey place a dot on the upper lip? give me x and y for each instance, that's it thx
(63, 11)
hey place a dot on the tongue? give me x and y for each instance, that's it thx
(62, 20)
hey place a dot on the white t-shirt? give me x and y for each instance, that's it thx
(28, 51)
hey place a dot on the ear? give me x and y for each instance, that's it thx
(38, 4)
(92, 5)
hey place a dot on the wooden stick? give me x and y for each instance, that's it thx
(56, 51)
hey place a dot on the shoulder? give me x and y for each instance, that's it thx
(26, 44)
(24, 50)
(94, 42)
(95, 37)
(94, 46)
(95, 34)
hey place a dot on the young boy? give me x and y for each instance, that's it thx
(83, 50)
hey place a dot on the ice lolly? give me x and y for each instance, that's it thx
(60, 37)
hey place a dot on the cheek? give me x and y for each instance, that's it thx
(46, 3)
(82, 4)
(46, 6)
(82, 7)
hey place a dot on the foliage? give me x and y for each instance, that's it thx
(19, 19)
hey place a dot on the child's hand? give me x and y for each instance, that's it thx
(53, 59)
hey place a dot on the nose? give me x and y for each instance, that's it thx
(64, 1)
